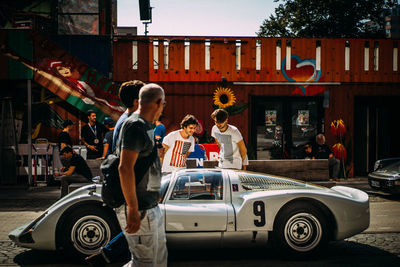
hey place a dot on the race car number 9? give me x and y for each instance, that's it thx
(259, 211)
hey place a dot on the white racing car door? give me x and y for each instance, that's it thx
(197, 203)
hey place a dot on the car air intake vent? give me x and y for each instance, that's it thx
(260, 183)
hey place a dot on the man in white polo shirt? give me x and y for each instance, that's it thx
(233, 152)
(178, 145)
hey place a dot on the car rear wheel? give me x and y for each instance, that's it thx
(301, 229)
(87, 229)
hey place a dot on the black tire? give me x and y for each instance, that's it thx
(301, 229)
(87, 229)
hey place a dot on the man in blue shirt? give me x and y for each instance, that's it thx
(159, 133)
(129, 96)
(117, 249)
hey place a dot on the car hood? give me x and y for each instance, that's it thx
(385, 174)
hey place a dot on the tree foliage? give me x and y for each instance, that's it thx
(327, 18)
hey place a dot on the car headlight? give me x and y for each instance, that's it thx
(397, 182)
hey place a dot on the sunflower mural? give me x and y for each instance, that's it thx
(225, 98)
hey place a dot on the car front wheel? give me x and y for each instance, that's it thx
(301, 229)
(87, 229)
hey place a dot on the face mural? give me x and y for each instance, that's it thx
(69, 78)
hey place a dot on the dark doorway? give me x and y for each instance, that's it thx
(293, 121)
(376, 135)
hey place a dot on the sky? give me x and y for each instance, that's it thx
(198, 17)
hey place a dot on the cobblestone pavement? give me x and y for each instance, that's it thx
(382, 249)
(370, 248)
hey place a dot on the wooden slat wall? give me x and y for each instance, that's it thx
(223, 59)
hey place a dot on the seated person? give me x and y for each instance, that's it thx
(322, 151)
(307, 152)
(77, 172)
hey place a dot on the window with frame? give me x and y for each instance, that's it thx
(198, 186)
(78, 17)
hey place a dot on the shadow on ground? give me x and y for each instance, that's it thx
(341, 253)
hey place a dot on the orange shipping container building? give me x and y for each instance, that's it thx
(322, 80)
(301, 85)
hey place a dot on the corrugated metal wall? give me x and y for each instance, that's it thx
(223, 59)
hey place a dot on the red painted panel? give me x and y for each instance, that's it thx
(223, 59)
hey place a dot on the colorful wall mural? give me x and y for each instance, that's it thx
(70, 79)
(303, 71)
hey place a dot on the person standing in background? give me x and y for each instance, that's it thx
(64, 139)
(92, 136)
(159, 133)
(108, 137)
(233, 152)
(178, 145)
(129, 96)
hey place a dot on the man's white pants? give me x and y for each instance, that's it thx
(148, 246)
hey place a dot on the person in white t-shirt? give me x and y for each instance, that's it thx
(178, 145)
(233, 152)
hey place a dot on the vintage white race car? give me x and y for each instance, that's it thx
(211, 207)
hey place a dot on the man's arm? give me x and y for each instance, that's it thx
(105, 149)
(127, 177)
(62, 145)
(84, 142)
(69, 172)
(165, 148)
(87, 145)
(243, 152)
(218, 144)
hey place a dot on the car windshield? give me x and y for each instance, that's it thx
(164, 186)
(395, 167)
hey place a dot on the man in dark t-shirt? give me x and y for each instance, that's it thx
(77, 172)
(108, 137)
(117, 250)
(138, 135)
(64, 139)
(140, 217)
(92, 136)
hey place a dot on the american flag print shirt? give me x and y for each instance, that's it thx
(178, 153)
(178, 148)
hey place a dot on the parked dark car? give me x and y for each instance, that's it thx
(386, 175)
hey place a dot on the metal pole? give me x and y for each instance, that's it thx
(29, 100)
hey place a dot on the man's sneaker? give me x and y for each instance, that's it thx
(96, 260)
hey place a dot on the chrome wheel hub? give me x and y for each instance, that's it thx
(303, 232)
(90, 233)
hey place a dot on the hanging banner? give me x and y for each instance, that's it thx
(71, 79)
